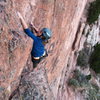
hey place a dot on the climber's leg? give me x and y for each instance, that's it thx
(46, 53)
(35, 62)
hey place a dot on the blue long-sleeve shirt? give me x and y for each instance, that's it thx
(38, 47)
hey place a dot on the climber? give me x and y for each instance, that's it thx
(38, 51)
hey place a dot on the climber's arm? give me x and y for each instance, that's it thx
(29, 33)
(34, 28)
(25, 26)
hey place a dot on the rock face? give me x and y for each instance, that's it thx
(94, 33)
(63, 18)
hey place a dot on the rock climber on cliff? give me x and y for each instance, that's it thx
(38, 51)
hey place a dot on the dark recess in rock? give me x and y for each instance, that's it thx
(3, 0)
(1, 8)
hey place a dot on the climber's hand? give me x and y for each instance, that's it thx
(33, 26)
(24, 24)
(19, 15)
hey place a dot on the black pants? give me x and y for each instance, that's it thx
(36, 61)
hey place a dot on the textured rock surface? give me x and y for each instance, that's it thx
(87, 37)
(94, 33)
(63, 18)
(14, 48)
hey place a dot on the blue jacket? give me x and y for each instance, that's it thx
(38, 47)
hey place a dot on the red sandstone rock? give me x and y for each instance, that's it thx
(61, 16)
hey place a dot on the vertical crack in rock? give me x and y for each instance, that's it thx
(78, 36)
